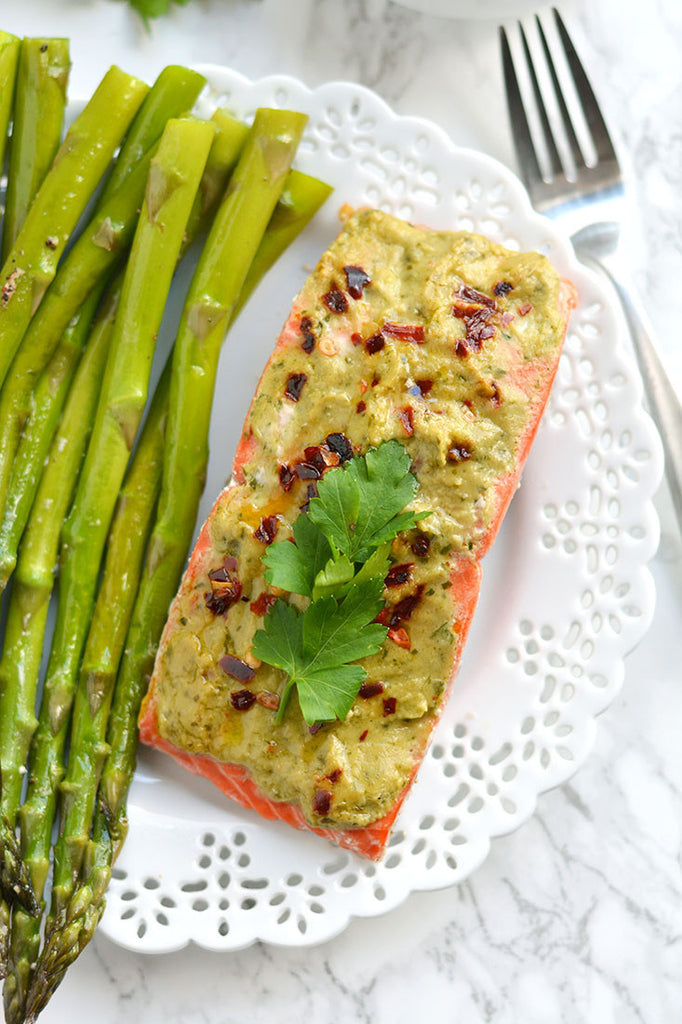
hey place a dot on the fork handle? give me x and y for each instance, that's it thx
(664, 404)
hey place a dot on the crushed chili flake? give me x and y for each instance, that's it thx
(322, 801)
(368, 690)
(262, 603)
(399, 574)
(375, 381)
(356, 280)
(308, 343)
(334, 775)
(423, 386)
(364, 735)
(320, 456)
(406, 418)
(495, 396)
(375, 343)
(236, 668)
(315, 727)
(268, 699)
(503, 287)
(390, 704)
(340, 444)
(356, 338)
(461, 349)
(402, 611)
(286, 477)
(471, 295)
(310, 493)
(295, 386)
(525, 308)
(361, 406)
(335, 300)
(266, 530)
(421, 545)
(307, 471)
(399, 636)
(225, 590)
(412, 332)
(242, 700)
(459, 451)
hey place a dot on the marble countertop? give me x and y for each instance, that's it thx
(577, 916)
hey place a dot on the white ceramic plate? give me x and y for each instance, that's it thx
(566, 591)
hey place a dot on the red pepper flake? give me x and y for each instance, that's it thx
(368, 690)
(421, 545)
(364, 735)
(407, 420)
(308, 343)
(315, 727)
(340, 444)
(335, 300)
(375, 343)
(525, 308)
(321, 457)
(471, 295)
(307, 471)
(459, 451)
(266, 530)
(399, 574)
(399, 636)
(495, 396)
(361, 406)
(237, 669)
(242, 700)
(286, 477)
(461, 349)
(334, 775)
(262, 603)
(423, 386)
(322, 801)
(469, 404)
(375, 381)
(268, 699)
(356, 338)
(402, 611)
(390, 704)
(503, 288)
(310, 493)
(295, 386)
(356, 280)
(410, 332)
(225, 590)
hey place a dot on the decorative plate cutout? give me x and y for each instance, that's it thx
(566, 592)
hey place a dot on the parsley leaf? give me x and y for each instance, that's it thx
(315, 647)
(359, 507)
(339, 559)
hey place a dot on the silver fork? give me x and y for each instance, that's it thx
(590, 201)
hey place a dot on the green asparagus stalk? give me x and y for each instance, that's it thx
(173, 93)
(40, 98)
(78, 166)
(174, 177)
(45, 409)
(70, 931)
(125, 547)
(227, 145)
(9, 58)
(33, 584)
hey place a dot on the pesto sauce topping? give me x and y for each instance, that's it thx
(478, 404)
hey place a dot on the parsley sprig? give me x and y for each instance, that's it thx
(339, 559)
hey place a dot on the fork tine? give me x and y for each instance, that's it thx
(521, 136)
(553, 153)
(558, 92)
(588, 101)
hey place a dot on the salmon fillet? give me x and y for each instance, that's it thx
(447, 343)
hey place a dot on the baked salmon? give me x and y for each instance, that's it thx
(447, 343)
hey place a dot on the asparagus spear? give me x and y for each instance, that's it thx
(70, 932)
(173, 93)
(79, 164)
(9, 56)
(42, 78)
(88, 749)
(174, 177)
(27, 612)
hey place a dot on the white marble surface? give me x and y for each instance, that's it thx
(577, 917)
